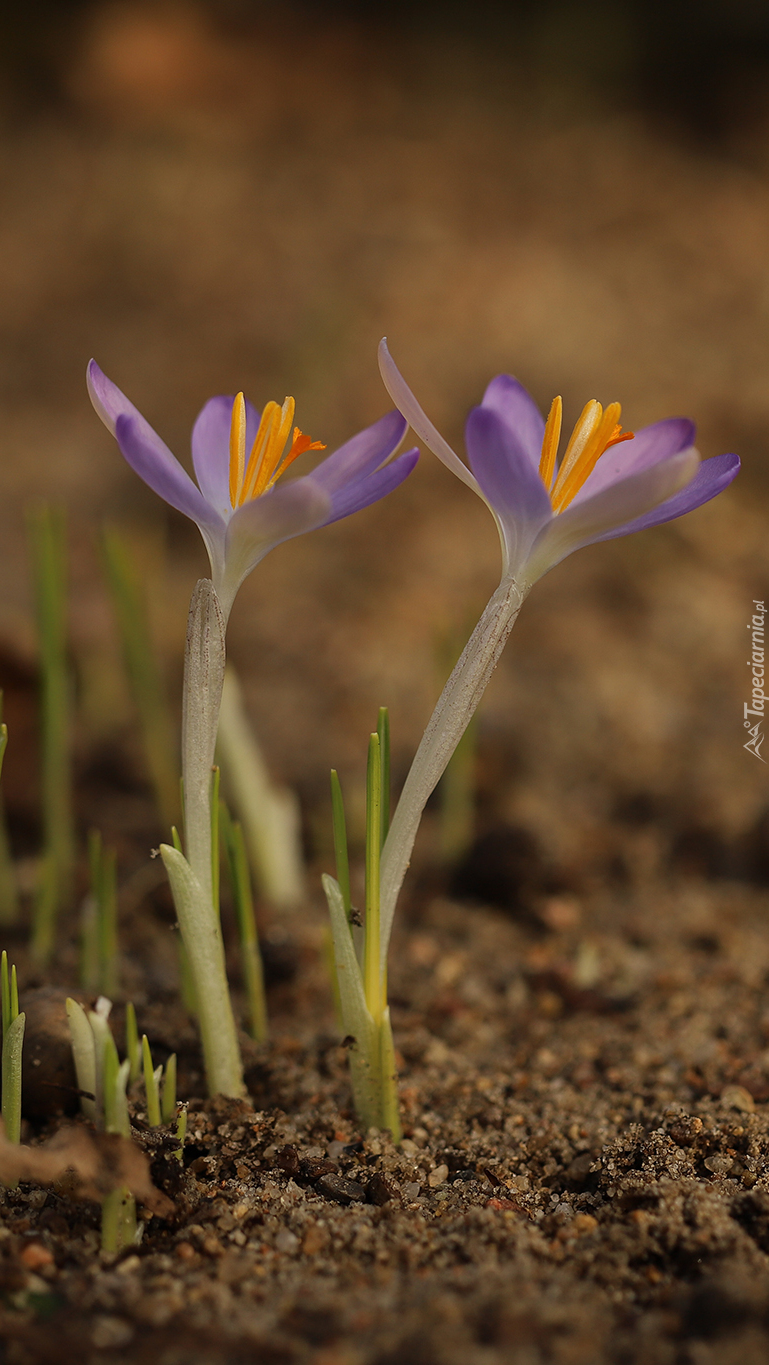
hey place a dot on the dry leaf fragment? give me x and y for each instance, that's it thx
(86, 1165)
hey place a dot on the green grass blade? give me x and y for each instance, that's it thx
(168, 1099)
(5, 993)
(150, 1085)
(132, 1048)
(11, 1085)
(84, 1055)
(250, 956)
(340, 840)
(372, 975)
(144, 674)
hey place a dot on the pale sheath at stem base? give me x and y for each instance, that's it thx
(191, 878)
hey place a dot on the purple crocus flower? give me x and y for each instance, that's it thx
(238, 457)
(608, 483)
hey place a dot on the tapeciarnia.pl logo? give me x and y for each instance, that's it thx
(755, 707)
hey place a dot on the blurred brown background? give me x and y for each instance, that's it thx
(215, 196)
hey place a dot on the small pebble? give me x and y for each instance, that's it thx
(411, 1190)
(109, 1333)
(737, 1097)
(286, 1241)
(379, 1191)
(34, 1256)
(316, 1239)
(185, 1251)
(341, 1189)
(437, 1177)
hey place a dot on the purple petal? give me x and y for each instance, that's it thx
(362, 454)
(712, 477)
(361, 493)
(418, 420)
(648, 447)
(211, 449)
(153, 462)
(618, 506)
(510, 401)
(504, 471)
(258, 526)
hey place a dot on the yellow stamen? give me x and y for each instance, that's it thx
(237, 446)
(550, 443)
(596, 434)
(267, 461)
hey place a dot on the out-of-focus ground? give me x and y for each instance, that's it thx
(206, 206)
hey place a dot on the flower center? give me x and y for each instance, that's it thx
(269, 457)
(595, 431)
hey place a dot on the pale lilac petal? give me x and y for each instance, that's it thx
(506, 477)
(363, 454)
(614, 507)
(418, 420)
(648, 447)
(153, 462)
(509, 399)
(361, 492)
(712, 477)
(108, 400)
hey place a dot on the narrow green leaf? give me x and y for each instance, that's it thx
(176, 840)
(340, 841)
(383, 730)
(181, 1132)
(145, 673)
(250, 956)
(133, 1051)
(168, 1100)
(150, 1085)
(14, 994)
(5, 993)
(84, 1055)
(372, 976)
(11, 1084)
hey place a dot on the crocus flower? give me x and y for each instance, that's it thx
(240, 508)
(609, 482)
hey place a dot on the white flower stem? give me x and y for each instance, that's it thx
(449, 720)
(194, 894)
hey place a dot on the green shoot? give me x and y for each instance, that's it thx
(99, 947)
(251, 958)
(144, 674)
(13, 1039)
(9, 901)
(361, 982)
(84, 1055)
(168, 1097)
(340, 841)
(48, 553)
(372, 979)
(132, 1049)
(151, 1084)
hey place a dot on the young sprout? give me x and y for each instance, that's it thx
(361, 969)
(49, 566)
(13, 1040)
(132, 1048)
(234, 847)
(103, 1081)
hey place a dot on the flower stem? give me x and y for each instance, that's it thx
(453, 712)
(191, 878)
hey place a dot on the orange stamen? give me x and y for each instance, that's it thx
(550, 443)
(267, 460)
(237, 446)
(599, 434)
